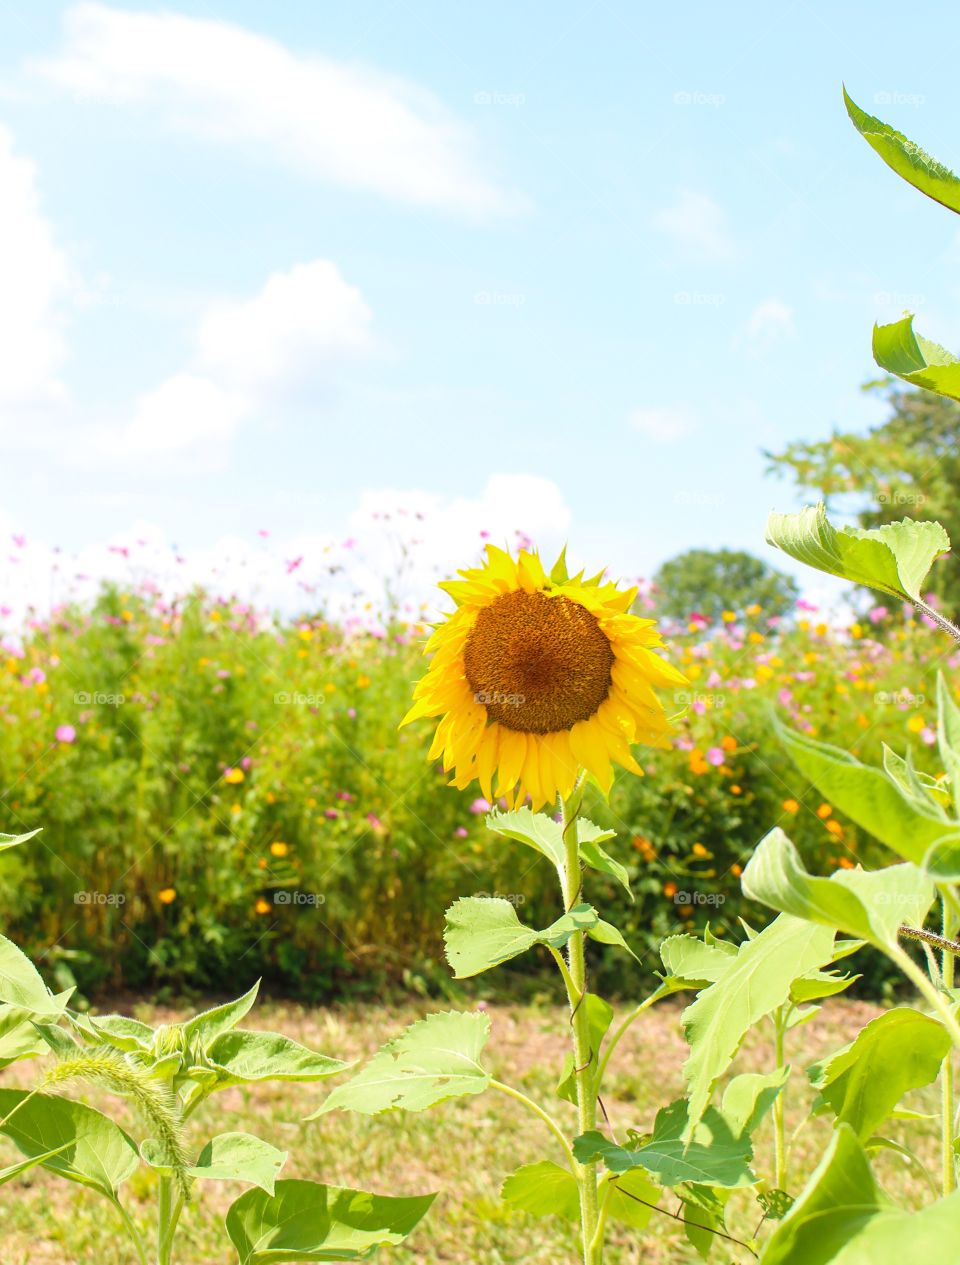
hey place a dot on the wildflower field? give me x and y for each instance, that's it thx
(217, 787)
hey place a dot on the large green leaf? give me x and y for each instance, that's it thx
(240, 1057)
(21, 983)
(19, 1036)
(211, 1023)
(307, 1221)
(894, 558)
(544, 835)
(11, 841)
(757, 981)
(868, 904)
(715, 1156)
(906, 158)
(482, 932)
(120, 1031)
(434, 1059)
(91, 1149)
(843, 1218)
(869, 796)
(543, 1189)
(900, 1050)
(749, 1096)
(900, 350)
(228, 1157)
(690, 958)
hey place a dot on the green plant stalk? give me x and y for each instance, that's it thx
(929, 991)
(586, 1082)
(169, 1207)
(779, 1115)
(538, 1111)
(947, 1075)
(132, 1230)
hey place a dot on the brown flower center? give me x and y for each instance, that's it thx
(538, 664)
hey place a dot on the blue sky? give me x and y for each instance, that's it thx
(564, 268)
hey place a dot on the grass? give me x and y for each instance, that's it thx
(463, 1149)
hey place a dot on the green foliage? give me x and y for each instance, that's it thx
(306, 1221)
(711, 581)
(429, 1062)
(895, 558)
(862, 1083)
(482, 932)
(907, 465)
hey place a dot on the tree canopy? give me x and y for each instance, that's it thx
(711, 581)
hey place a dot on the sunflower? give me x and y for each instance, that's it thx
(538, 675)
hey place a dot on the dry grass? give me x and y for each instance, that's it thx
(462, 1149)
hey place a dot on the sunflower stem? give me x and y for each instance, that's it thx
(584, 1057)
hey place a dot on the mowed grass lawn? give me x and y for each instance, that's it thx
(463, 1149)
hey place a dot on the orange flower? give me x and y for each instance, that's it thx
(233, 776)
(728, 742)
(279, 849)
(262, 906)
(824, 811)
(699, 850)
(791, 806)
(670, 890)
(736, 870)
(167, 895)
(835, 828)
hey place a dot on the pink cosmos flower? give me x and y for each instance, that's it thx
(480, 806)
(716, 756)
(65, 733)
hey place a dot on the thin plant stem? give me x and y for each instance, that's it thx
(132, 1230)
(779, 1115)
(630, 1018)
(947, 1075)
(584, 1057)
(537, 1110)
(929, 991)
(940, 620)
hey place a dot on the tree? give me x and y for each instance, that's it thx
(711, 581)
(907, 467)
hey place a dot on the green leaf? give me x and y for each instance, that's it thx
(900, 350)
(90, 1148)
(544, 835)
(120, 1031)
(900, 1050)
(948, 734)
(894, 558)
(919, 787)
(14, 1170)
(842, 1218)
(632, 1193)
(482, 932)
(22, 985)
(874, 801)
(689, 958)
(11, 841)
(307, 1221)
(211, 1023)
(819, 984)
(229, 1157)
(607, 933)
(543, 1189)
(599, 1017)
(434, 1059)
(19, 1037)
(905, 158)
(755, 984)
(869, 905)
(749, 1097)
(241, 1057)
(714, 1156)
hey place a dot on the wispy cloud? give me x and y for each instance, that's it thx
(662, 425)
(769, 323)
(698, 226)
(348, 124)
(250, 355)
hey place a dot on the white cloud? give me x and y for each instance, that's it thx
(662, 425)
(698, 226)
(347, 566)
(249, 354)
(768, 323)
(343, 122)
(34, 280)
